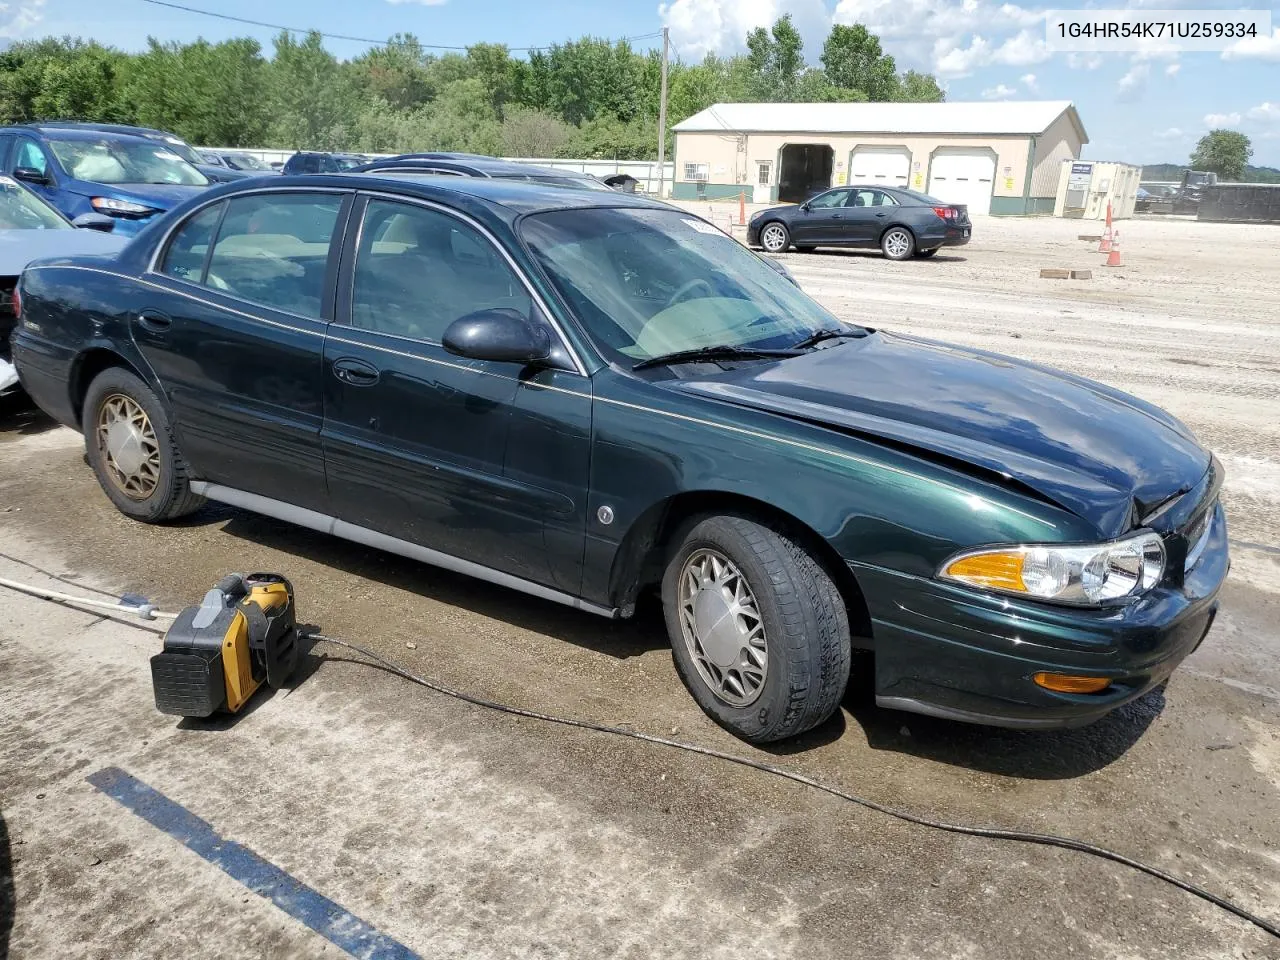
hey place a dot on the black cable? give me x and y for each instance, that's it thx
(53, 576)
(343, 36)
(1048, 840)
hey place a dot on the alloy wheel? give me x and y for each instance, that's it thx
(128, 446)
(723, 628)
(774, 238)
(897, 244)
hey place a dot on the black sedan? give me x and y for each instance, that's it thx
(902, 223)
(588, 396)
(474, 165)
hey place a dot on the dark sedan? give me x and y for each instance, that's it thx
(902, 223)
(473, 165)
(589, 396)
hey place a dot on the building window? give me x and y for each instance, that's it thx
(764, 170)
(696, 171)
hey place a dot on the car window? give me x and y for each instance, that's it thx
(112, 160)
(833, 198)
(31, 157)
(871, 198)
(418, 270)
(190, 245)
(6, 144)
(273, 249)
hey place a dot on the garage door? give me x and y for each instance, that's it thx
(963, 176)
(886, 166)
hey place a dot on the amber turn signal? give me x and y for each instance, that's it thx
(1065, 683)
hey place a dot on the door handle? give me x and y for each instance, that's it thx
(837, 216)
(881, 214)
(155, 321)
(357, 373)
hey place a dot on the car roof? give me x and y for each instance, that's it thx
(518, 196)
(86, 133)
(89, 126)
(486, 166)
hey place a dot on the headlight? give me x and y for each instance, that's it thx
(110, 205)
(1080, 575)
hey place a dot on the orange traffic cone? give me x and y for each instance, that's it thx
(1113, 256)
(1105, 245)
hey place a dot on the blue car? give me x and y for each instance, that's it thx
(131, 179)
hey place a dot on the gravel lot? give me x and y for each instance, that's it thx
(466, 834)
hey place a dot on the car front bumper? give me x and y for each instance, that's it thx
(950, 651)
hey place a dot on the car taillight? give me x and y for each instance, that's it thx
(17, 304)
(946, 213)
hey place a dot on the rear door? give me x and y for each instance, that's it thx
(233, 324)
(482, 461)
(869, 212)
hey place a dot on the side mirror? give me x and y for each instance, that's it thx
(805, 206)
(95, 221)
(30, 175)
(502, 335)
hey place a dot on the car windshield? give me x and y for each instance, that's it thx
(180, 147)
(922, 198)
(125, 161)
(20, 210)
(246, 161)
(647, 283)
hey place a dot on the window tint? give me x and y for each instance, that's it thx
(273, 249)
(31, 156)
(418, 270)
(834, 198)
(189, 246)
(871, 198)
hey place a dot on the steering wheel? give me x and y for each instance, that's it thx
(683, 293)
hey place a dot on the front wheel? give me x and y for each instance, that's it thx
(759, 632)
(775, 237)
(131, 448)
(897, 243)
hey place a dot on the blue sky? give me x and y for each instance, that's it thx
(1140, 108)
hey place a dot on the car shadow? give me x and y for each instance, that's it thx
(860, 253)
(20, 415)
(1036, 755)
(1025, 754)
(615, 638)
(8, 904)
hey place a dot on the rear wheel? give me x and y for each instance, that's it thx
(759, 632)
(131, 448)
(897, 243)
(775, 237)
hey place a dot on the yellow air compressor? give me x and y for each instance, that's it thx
(243, 634)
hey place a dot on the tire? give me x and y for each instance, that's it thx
(159, 488)
(775, 237)
(792, 609)
(898, 243)
(925, 254)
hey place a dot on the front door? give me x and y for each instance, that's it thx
(233, 324)
(484, 461)
(824, 222)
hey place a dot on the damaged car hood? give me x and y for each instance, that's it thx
(1106, 456)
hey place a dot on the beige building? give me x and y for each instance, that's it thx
(1000, 158)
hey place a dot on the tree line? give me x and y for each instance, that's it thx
(583, 98)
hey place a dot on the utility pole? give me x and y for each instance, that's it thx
(662, 115)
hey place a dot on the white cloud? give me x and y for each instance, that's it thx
(16, 23)
(1134, 83)
(1266, 112)
(1262, 48)
(1214, 120)
(1028, 80)
(699, 27)
(1172, 69)
(998, 92)
(1084, 61)
(1172, 133)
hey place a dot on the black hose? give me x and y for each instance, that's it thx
(1047, 840)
